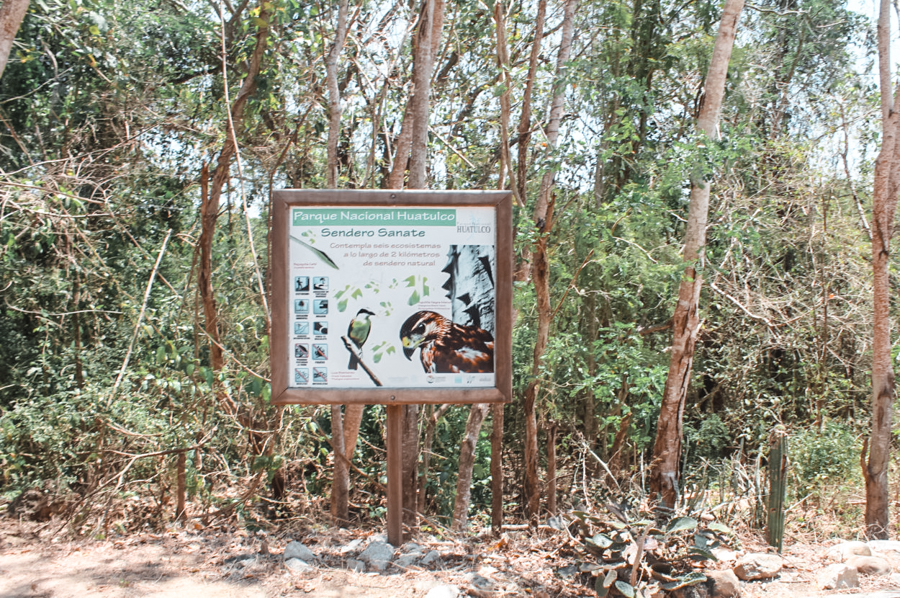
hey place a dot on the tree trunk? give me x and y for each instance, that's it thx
(334, 94)
(11, 14)
(181, 482)
(551, 469)
(340, 486)
(543, 221)
(525, 118)
(686, 319)
(209, 207)
(414, 130)
(884, 204)
(497, 468)
(466, 462)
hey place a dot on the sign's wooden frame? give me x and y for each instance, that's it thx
(284, 200)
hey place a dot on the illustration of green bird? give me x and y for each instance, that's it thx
(358, 331)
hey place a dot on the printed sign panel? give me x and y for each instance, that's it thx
(404, 296)
(407, 291)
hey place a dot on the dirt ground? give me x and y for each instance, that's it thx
(229, 562)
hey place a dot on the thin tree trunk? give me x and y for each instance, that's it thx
(466, 462)
(11, 14)
(551, 469)
(340, 487)
(433, 13)
(525, 118)
(497, 468)
(503, 63)
(181, 480)
(334, 94)
(686, 319)
(209, 207)
(884, 204)
(543, 221)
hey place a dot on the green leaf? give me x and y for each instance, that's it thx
(610, 578)
(691, 579)
(681, 524)
(322, 255)
(720, 527)
(625, 589)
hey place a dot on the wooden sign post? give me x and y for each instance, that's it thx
(393, 298)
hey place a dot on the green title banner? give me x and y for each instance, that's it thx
(374, 217)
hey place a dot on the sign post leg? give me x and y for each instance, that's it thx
(395, 474)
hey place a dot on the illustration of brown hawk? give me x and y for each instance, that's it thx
(447, 348)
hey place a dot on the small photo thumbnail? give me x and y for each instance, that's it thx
(320, 327)
(301, 351)
(320, 375)
(320, 352)
(301, 284)
(320, 307)
(301, 306)
(301, 328)
(320, 283)
(301, 376)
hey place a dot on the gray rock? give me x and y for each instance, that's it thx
(357, 566)
(407, 560)
(443, 591)
(870, 565)
(432, 558)
(352, 546)
(482, 583)
(841, 552)
(377, 538)
(296, 550)
(377, 555)
(411, 547)
(567, 572)
(837, 577)
(758, 565)
(296, 565)
(723, 584)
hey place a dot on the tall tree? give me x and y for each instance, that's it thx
(886, 185)
(11, 14)
(686, 319)
(340, 485)
(209, 207)
(540, 265)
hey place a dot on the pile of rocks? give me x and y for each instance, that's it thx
(377, 555)
(852, 559)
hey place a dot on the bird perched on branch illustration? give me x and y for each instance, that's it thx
(358, 331)
(447, 348)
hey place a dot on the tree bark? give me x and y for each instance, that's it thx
(11, 14)
(884, 203)
(543, 221)
(466, 462)
(686, 319)
(209, 206)
(414, 130)
(497, 468)
(334, 94)
(525, 118)
(551, 469)
(340, 486)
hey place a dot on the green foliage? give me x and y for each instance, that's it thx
(826, 457)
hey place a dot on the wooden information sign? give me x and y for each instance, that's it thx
(393, 298)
